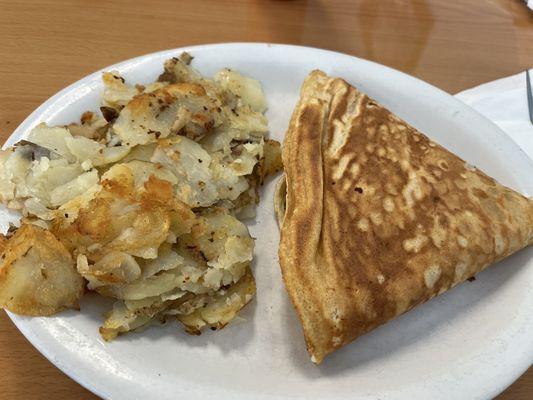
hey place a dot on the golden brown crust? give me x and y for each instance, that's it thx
(37, 274)
(378, 218)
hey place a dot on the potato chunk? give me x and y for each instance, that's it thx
(37, 274)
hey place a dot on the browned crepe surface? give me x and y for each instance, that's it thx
(377, 218)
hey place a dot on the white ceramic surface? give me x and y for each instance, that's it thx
(470, 343)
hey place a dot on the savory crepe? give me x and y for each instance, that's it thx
(376, 218)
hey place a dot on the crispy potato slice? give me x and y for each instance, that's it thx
(113, 268)
(220, 308)
(141, 202)
(186, 276)
(3, 242)
(91, 126)
(271, 162)
(177, 70)
(249, 90)
(116, 93)
(125, 218)
(37, 274)
(53, 139)
(121, 320)
(224, 243)
(129, 315)
(183, 107)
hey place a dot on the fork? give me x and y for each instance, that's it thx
(529, 96)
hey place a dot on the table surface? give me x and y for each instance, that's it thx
(47, 45)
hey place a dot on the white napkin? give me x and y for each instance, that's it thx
(530, 4)
(504, 102)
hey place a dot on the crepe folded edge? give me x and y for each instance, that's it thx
(318, 331)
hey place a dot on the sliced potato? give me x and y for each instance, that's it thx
(140, 200)
(184, 277)
(189, 162)
(92, 153)
(113, 268)
(221, 308)
(183, 107)
(91, 126)
(53, 139)
(120, 320)
(116, 93)
(225, 245)
(272, 162)
(76, 187)
(130, 315)
(249, 90)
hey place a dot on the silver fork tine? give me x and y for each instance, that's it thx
(529, 96)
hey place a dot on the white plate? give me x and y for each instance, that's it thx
(471, 342)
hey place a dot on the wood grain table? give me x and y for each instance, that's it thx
(46, 45)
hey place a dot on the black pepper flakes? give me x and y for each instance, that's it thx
(155, 133)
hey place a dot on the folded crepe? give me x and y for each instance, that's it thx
(376, 218)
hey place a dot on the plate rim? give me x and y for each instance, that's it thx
(28, 123)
